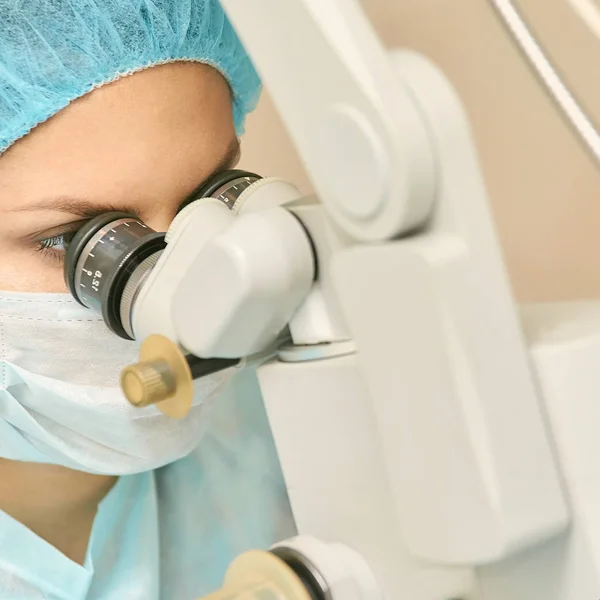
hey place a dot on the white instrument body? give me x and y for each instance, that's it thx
(420, 419)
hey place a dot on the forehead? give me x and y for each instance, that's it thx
(148, 138)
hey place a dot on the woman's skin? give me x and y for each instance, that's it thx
(142, 144)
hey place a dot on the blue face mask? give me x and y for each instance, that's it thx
(59, 397)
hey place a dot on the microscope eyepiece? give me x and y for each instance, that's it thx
(226, 186)
(106, 263)
(110, 257)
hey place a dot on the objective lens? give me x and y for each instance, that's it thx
(105, 256)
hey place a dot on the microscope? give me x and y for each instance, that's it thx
(437, 443)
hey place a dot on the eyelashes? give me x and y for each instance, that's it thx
(53, 242)
(54, 248)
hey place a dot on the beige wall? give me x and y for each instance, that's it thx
(545, 191)
(267, 149)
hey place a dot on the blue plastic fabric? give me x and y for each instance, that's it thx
(169, 533)
(54, 51)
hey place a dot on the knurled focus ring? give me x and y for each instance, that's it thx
(132, 289)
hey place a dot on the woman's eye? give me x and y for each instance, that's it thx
(57, 242)
(54, 247)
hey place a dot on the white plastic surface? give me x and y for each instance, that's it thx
(466, 449)
(328, 442)
(355, 127)
(266, 193)
(564, 344)
(313, 322)
(187, 236)
(319, 320)
(243, 286)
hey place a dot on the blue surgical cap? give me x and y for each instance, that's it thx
(54, 51)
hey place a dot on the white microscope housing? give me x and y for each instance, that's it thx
(437, 441)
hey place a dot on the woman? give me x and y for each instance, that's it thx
(104, 105)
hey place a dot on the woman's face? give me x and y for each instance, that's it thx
(142, 145)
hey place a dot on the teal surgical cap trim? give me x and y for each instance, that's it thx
(55, 51)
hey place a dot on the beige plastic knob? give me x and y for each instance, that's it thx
(148, 383)
(259, 575)
(162, 377)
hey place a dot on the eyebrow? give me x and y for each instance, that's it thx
(86, 209)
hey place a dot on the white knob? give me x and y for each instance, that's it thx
(342, 571)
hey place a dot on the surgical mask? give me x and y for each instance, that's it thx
(60, 402)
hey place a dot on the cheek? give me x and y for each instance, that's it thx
(23, 270)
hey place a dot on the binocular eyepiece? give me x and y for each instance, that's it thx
(110, 257)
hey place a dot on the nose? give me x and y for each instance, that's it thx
(161, 220)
